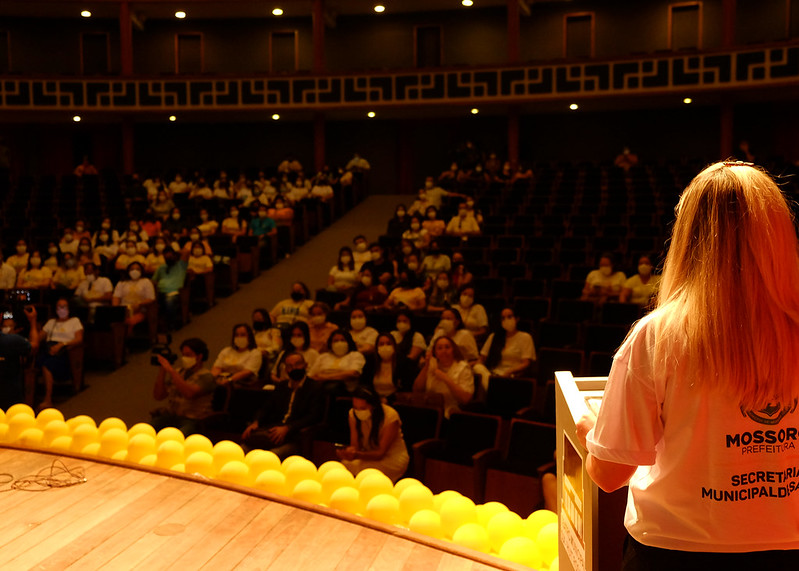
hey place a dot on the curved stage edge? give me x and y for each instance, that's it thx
(132, 517)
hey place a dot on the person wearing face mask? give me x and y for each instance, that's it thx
(387, 371)
(404, 251)
(69, 274)
(463, 224)
(68, 242)
(363, 335)
(368, 295)
(94, 290)
(281, 211)
(162, 205)
(175, 224)
(506, 353)
(196, 236)
(262, 226)
(59, 335)
(199, 262)
(459, 274)
(85, 253)
(8, 275)
(19, 261)
(435, 261)
(80, 231)
(239, 363)
(36, 275)
(642, 286)
(268, 339)
(128, 254)
(234, 225)
(361, 253)
(105, 227)
(410, 342)
(52, 258)
(408, 293)
(343, 277)
(136, 293)
(473, 315)
(207, 226)
(375, 437)
(432, 224)
(445, 372)
(399, 223)
(297, 340)
(187, 386)
(319, 327)
(341, 365)
(201, 190)
(105, 248)
(295, 404)
(296, 307)
(451, 326)
(603, 284)
(435, 194)
(155, 259)
(14, 349)
(381, 267)
(442, 294)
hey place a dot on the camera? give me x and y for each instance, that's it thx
(18, 300)
(161, 347)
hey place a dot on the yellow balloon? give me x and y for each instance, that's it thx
(53, 430)
(272, 481)
(235, 472)
(365, 473)
(260, 461)
(427, 522)
(290, 460)
(148, 460)
(488, 510)
(141, 428)
(197, 443)
(169, 433)
(178, 468)
(439, 499)
(91, 449)
(346, 499)
(334, 479)
(140, 445)
(47, 415)
(384, 508)
(200, 463)
(112, 422)
(76, 421)
(329, 465)
(547, 541)
(373, 485)
(298, 471)
(405, 483)
(225, 451)
(3, 432)
(472, 535)
(2, 415)
(536, 520)
(83, 435)
(414, 499)
(308, 491)
(502, 527)
(18, 424)
(61, 443)
(119, 455)
(19, 408)
(522, 550)
(555, 565)
(456, 512)
(112, 441)
(170, 453)
(31, 437)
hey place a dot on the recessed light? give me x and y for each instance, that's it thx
(86, 14)
(277, 11)
(467, 3)
(371, 114)
(380, 8)
(76, 118)
(475, 111)
(574, 107)
(180, 14)
(173, 118)
(275, 117)
(687, 100)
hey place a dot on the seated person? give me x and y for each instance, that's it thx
(603, 284)
(168, 280)
(201, 190)
(382, 268)
(435, 262)
(451, 326)
(294, 405)
(299, 341)
(420, 205)
(234, 226)
(433, 225)
(68, 242)
(94, 290)
(197, 237)
(442, 294)
(387, 371)
(199, 262)
(459, 275)
(367, 295)
(446, 372)
(410, 342)
(104, 246)
(319, 326)
(508, 352)
(85, 253)
(239, 363)
(343, 277)
(81, 231)
(188, 389)
(128, 255)
(399, 223)
(19, 261)
(262, 226)
(53, 257)
(176, 225)
(363, 335)
(155, 258)
(361, 252)
(375, 437)
(14, 350)
(642, 286)
(463, 224)
(268, 339)
(295, 307)
(473, 315)
(281, 212)
(34, 276)
(58, 335)
(407, 293)
(207, 226)
(8, 275)
(416, 234)
(135, 293)
(342, 364)
(162, 205)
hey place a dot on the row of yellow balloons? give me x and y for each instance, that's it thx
(489, 528)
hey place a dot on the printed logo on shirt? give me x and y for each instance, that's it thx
(768, 441)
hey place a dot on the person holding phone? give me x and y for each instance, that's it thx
(14, 348)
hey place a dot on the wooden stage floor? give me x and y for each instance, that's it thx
(125, 518)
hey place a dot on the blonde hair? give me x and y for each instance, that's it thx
(728, 304)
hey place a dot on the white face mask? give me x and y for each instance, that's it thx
(340, 348)
(605, 270)
(403, 326)
(442, 284)
(134, 274)
(509, 324)
(360, 246)
(346, 259)
(241, 342)
(358, 323)
(362, 414)
(413, 266)
(62, 312)
(189, 362)
(375, 256)
(644, 269)
(194, 237)
(160, 247)
(447, 325)
(415, 226)
(298, 342)
(385, 352)
(466, 301)
(366, 281)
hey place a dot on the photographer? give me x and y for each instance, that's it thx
(188, 388)
(13, 348)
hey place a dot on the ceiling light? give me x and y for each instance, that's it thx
(180, 14)
(277, 11)
(574, 106)
(371, 114)
(380, 8)
(76, 118)
(475, 111)
(467, 3)
(86, 14)
(275, 117)
(687, 100)
(173, 118)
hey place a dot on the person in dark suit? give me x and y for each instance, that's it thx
(294, 405)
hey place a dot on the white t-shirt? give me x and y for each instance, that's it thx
(460, 372)
(613, 281)
(642, 292)
(517, 348)
(135, 292)
(8, 276)
(92, 291)
(288, 310)
(418, 339)
(345, 278)
(232, 361)
(62, 331)
(473, 317)
(711, 477)
(352, 361)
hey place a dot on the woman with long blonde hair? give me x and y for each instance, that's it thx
(699, 412)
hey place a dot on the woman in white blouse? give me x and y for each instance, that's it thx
(239, 364)
(446, 372)
(341, 364)
(60, 334)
